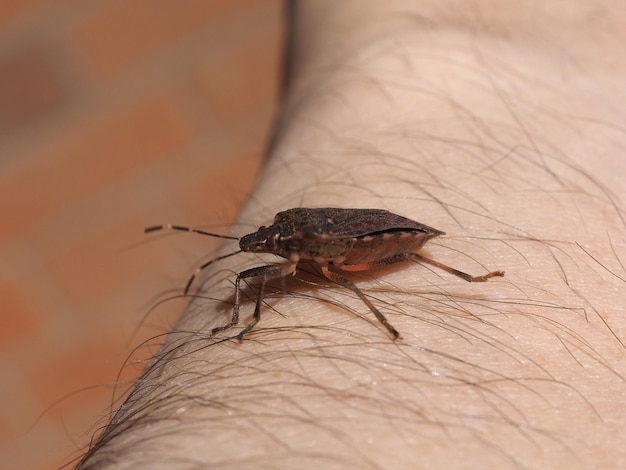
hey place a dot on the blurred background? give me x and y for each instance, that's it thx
(114, 115)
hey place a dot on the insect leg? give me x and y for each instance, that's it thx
(453, 271)
(257, 312)
(347, 283)
(403, 257)
(267, 273)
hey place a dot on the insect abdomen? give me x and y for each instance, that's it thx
(373, 248)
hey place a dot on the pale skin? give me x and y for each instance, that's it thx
(500, 123)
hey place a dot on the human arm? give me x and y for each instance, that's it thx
(496, 124)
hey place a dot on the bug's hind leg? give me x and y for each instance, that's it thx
(347, 283)
(267, 273)
(455, 272)
(403, 257)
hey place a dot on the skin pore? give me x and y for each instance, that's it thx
(498, 123)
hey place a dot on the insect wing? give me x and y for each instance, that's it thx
(344, 223)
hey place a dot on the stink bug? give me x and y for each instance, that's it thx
(335, 239)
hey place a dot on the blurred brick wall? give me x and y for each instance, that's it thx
(114, 115)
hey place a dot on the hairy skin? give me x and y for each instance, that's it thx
(498, 123)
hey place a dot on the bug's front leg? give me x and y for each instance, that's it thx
(267, 273)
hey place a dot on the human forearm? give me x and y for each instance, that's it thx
(494, 139)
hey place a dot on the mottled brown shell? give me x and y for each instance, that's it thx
(340, 223)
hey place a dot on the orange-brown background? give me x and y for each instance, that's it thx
(114, 115)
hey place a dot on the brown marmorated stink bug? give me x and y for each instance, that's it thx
(335, 239)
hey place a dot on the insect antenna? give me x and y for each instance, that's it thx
(204, 266)
(182, 228)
